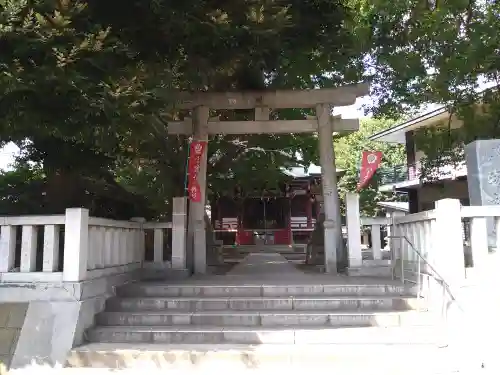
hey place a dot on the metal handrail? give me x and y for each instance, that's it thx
(434, 273)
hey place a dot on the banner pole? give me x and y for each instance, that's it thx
(187, 169)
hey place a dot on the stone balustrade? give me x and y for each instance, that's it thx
(371, 235)
(454, 240)
(75, 247)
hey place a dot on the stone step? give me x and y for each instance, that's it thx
(245, 253)
(268, 318)
(193, 290)
(370, 271)
(263, 335)
(265, 248)
(239, 257)
(300, 303)
(341, 359)
(376, 262)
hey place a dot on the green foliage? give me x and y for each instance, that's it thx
(440, 146)
(66, 77)
(426, 51)
(21, 191)
(85, 83)
(26, 190)
(348, 152)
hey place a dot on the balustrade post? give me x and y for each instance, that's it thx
(395, 244)
(479, 244)
(7, 247)
(388, 231)
(158, 245)
(376, 242)
(76, 236)
(51, 248)
(179, 220)
(139, 245)
(447, 242)
(353, 230)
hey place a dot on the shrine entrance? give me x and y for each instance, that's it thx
(275, 216)
(253, 220)
(281, 216)
(266, 221)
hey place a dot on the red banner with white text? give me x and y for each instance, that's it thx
(196, 150)
(369, 163)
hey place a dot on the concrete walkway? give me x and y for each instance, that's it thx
(265, 264)
(261, 268)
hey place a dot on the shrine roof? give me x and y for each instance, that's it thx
(396, 134)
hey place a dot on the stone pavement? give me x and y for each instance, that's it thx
(261, 268)
(265, 265)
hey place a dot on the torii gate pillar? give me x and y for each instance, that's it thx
(332, 224)
(196, 241)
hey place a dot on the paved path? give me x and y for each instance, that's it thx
(265, 264)
(262, 268)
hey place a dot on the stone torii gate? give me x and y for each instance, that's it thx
(200, 126)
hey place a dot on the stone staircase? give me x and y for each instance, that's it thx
(280, 316)
(201, 314)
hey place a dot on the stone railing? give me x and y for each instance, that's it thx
(371, 235)
(75, 247)
(457, 242)
(19, 242)
(481, 235)
(412, 235)
(113, 244)
(356, 225)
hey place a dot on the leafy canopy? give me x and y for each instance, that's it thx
(87, 85)
(435, 51)
(348, 152)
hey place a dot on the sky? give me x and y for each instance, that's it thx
(8, 152)
(7, 155)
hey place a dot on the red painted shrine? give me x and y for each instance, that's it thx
(274, 217)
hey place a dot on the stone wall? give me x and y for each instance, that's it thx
(41, 322)
(12, 317)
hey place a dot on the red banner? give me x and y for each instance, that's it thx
(369, 164)
(196, 150)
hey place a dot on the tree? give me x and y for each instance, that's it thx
(72, 95)
(237, 45)
(101, 81)
(26, 190)
(348, 152)
(425, 51)
(67, 77)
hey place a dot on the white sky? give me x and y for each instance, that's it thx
(7, 155)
